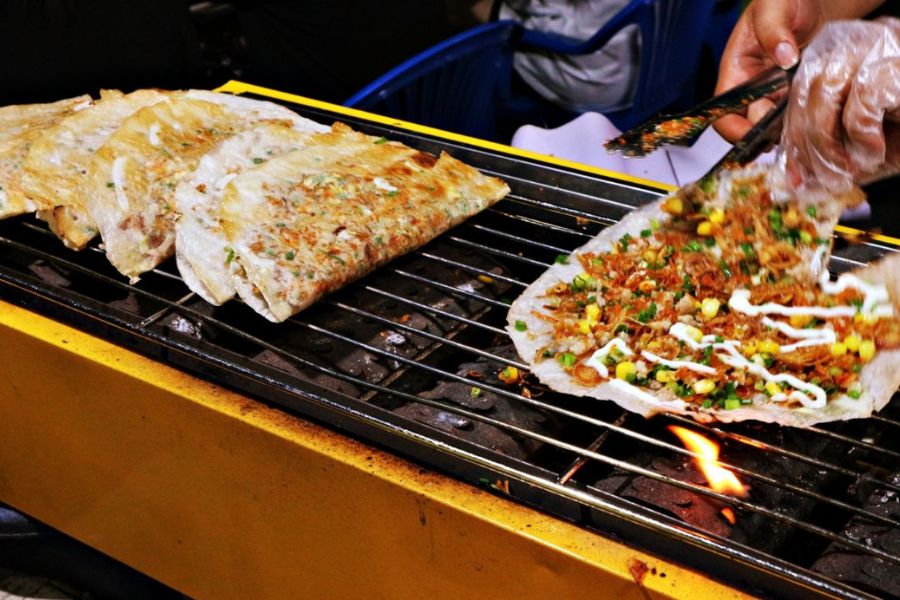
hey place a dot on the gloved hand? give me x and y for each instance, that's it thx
(771, 32)
(842, 124)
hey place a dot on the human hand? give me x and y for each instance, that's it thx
(772, 32)
(842, 123)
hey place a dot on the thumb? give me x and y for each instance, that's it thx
(772, 22)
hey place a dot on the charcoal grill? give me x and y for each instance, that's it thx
(407, 360)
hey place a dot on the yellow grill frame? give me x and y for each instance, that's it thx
(218, 495)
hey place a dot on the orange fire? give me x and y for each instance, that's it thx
(707, 454)
(728, 514)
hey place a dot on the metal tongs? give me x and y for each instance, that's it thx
(684, 128)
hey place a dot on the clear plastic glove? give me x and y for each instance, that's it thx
(771, 32)
(842, 125)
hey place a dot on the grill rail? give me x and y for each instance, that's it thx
(392, 339)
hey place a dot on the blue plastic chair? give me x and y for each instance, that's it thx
(465, 84)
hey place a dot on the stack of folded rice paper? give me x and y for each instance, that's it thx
(252, 199)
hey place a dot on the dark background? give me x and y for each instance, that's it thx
(327, 49)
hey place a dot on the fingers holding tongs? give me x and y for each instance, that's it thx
(684, 128)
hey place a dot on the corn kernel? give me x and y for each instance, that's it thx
(665, 376)
(625, 369)
(769, 347)
(717, 216)
(773, 388)
(838, 349)
(704, 228)
(649, 255)
(647, 286)
(852, 342)
(509, 375)
(866, 350)
(800, 321)
(584, 326)
(592, 312)
(673, 205)
(694, 333)
(704, 386)
(865, 318)
(709, 307)
(750, 347)
(791, 218)
(485, 279)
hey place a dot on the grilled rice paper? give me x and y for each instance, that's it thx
(310, 221)
(132, 178)
(651, 287)
(200, 242)
(20, 126)
(57, 163)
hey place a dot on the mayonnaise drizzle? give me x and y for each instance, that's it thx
(810, 337)
(383, 184)
(596, 359)
(118, 177)
(740, 302)
(874, 294)
(677, 364)
(733, 357)
(153, 134)
(681, 332)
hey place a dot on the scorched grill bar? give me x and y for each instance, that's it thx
(409, 359)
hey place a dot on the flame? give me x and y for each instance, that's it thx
(728, 514)
(707, 453)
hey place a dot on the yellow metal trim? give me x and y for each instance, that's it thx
(239, 87)
(878, 237)
(220, 496)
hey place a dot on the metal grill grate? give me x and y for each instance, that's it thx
(407, 359)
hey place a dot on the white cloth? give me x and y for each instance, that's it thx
(602, 81)
(581, 140)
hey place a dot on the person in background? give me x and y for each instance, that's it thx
(602, 81)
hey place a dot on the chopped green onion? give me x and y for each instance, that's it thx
(521, 325)
(562, 259)
(748, 250)
(580, 282)
(726, 270)
(567, 359)
(732, 403)
(855, 394)
(648, 313)
(811, 211)
(693, 246)
(475, 392)
(380, 140)
(646, 232)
